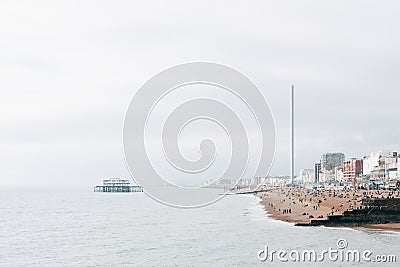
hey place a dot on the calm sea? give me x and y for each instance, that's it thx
(45, 228)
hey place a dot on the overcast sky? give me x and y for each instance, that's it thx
(69, 70)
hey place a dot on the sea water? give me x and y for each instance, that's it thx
(71, 228)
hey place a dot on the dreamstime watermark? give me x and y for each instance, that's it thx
(143, 106)
(338, 254)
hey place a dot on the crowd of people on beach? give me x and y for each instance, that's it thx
(300, 204)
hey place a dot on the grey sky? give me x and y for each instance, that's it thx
(69, 70)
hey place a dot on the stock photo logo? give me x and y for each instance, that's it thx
(194, 126)
(339, 254)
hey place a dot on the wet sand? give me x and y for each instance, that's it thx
(389, 226)
(300, 205)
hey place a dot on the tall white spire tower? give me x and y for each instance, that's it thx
(292, 134)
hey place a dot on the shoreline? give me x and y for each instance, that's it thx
(300, 205)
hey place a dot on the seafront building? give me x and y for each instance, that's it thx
(371, 162)
(353, 170)
(317, 171)
(339, 175)
(329, 161)
(306, 176)
(228, 184)
(329, 168)
(379, 169)
(392, 168)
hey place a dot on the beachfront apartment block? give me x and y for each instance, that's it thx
(339, 176)
(352, 169)
(329, 161)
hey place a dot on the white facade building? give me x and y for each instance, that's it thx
(371, 162)
(306, 176)
(327, 176)
(339, 174)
